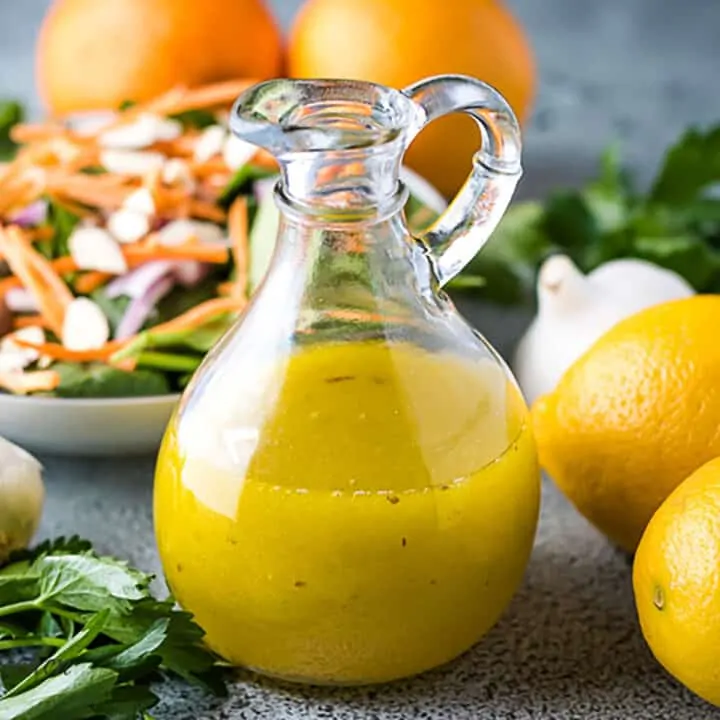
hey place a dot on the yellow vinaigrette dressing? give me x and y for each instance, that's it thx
(366, 516)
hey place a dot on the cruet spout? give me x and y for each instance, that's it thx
(340, 145)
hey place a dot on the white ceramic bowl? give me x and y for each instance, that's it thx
(89, 427)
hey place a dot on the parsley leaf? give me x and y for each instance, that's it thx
(107, 636)
(11, 113)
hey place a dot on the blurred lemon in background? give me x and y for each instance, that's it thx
(94, 54)
(635, 415)
(397, 42)
(676, 578)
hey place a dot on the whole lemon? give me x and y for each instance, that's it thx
(676, 578)
(635, 415)
(397, 42)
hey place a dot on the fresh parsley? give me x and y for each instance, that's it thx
(97, 637)
(11, 113)
(675, 224)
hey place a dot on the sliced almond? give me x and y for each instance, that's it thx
(177, 172)
(131, 162)
(210, 143)
(13, 357)
(89, 124)
(128, 226)
(237, 152)
(12, 362)
(168, 130)
(93, 248)
(178, 232)
(20, 300)
(144, 131)
(85, 326)
(141, 201)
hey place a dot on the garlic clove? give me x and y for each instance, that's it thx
(180, 231)
(237, 153)
(636, 282)
(561, 285)
(129, 162)
(575, 310)
(210, 143)
(22, 496)
(94, 248)
(128, 226)
(85, 326)
(141, 201)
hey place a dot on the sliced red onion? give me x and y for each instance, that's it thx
(19, 300)
(140, 308)
(190, 272)
(33, 214)
(137, 282)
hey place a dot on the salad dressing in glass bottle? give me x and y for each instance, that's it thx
(348, 491)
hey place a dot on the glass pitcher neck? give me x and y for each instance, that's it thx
(339, 143)
(348, 182)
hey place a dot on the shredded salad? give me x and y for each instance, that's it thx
(124, 245)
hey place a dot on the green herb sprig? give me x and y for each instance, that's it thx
(674, 224)
(96, 636)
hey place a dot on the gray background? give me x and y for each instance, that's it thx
(569, 646)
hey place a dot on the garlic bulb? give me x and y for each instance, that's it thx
(22, 495)
(574, 310)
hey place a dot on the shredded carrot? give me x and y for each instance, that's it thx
(213, 166)
(181, 99)
(37, 275)
(9, 283)
(225, 288)
(91, 190)
(144, 252)
(62, 266)
(207, 211)
(43, 232)
(22, 383)
(55, 284)
(32, 132)
(71, 205)
(264, 159)
(238, 229)
(181, 147)
(195, 317)
(58, 352)
(90, 281)
(219, 94)
(200, 314)
(23, 321)
(126, 364)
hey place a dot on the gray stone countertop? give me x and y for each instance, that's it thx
(569, 645)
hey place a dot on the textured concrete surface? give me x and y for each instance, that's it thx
(569, 646)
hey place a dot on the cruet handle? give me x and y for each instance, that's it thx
(456, 237)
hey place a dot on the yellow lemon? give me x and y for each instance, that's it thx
(635, 415)
(676, 578)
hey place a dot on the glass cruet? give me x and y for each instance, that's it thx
(348, 490)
